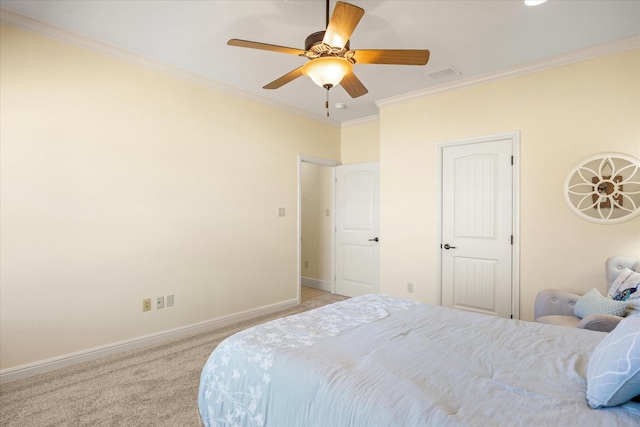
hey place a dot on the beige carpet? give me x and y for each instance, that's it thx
(154, 386)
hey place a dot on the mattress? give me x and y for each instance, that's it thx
(378, 360)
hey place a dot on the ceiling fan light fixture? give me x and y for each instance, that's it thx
(327, 71)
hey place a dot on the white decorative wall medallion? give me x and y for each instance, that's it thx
(605, 188)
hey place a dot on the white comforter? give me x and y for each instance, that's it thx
(383, 361)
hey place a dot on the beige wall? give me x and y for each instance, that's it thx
(564, 115)
(119, 183)
(360, 143)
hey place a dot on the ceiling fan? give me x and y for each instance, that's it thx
(330, 58)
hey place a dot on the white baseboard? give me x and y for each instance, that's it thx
(47, 365)
(323, 285)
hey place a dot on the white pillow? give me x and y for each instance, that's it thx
(613, 373)
(626, 287)
(594, 303)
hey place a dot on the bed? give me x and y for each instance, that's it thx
(377, 360)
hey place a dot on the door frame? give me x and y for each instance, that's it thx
(320, 162)
(515, 176)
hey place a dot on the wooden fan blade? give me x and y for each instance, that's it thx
(353, 85)
(397, 56)
(343, 21)
(284, 79)
(265, 46)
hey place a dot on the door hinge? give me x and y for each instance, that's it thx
(512, 239)
(512, 316)
(511, 160)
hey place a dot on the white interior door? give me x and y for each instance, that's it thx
(357, 227)
(477, 226)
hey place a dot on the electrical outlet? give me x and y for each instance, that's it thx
(146, 304)
(160, 302)
(410, 287)
(169, 300)
(306, 264)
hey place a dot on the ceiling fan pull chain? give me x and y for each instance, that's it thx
(326, 103)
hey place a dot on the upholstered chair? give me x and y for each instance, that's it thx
(556, 307)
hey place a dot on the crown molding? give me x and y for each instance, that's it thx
(360, 121)
(532, 67)
(35, 26)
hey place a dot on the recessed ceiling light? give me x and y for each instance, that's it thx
(533, 2)
(340, 106)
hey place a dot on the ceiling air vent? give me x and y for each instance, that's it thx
(443, 73)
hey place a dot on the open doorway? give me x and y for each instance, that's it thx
(316, 224)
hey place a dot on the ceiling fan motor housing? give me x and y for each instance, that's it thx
(313, 43)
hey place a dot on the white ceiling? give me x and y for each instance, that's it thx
(477, 37)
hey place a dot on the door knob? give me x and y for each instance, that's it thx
(447, 246)
(375, 239)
